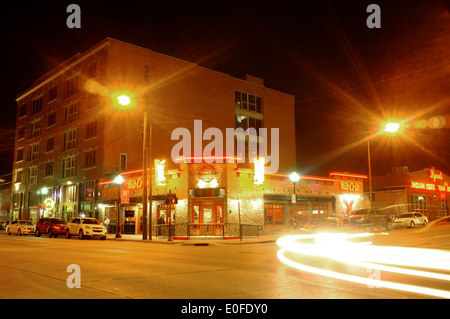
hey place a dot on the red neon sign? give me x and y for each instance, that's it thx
(435, 176)
(348, 175)
(349, 186)
(429, 186)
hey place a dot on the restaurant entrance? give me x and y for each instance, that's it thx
(207, 219)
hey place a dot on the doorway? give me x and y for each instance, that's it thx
(207, 220)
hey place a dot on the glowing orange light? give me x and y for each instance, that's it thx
(337, 247)
(348, 175)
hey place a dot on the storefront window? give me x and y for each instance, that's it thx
(419, 203)
(273, 214)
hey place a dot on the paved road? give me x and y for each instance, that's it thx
(32, 267)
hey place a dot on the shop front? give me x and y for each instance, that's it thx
(222, 200)
(425, 191)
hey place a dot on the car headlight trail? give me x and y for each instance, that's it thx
(338, 247)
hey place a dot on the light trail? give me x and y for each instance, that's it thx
(337, 247)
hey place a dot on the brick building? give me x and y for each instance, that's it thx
(426, 191)
(73, 138)
(234, 199)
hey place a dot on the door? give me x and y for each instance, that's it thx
(207, 220)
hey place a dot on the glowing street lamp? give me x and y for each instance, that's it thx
(124, 100)
(118, 180)
(391, 127)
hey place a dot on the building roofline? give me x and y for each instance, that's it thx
(52, 74)
(61, 68)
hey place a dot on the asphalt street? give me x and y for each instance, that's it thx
(37, 267)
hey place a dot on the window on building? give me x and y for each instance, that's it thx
(248, 101)
(70, 113)
(33, 174)
(33, 198)
(419, 203)
(248, 111)
(87, 192)
(69, 193)
(442, 209)
(123, 162)
(70, 139)
(91, 129)
(21, 134)
(18, 178)
(89, 159)
(50, 144)
(35, 128)
(37, 105)
(19, 155)
(22, 110)
(51, 119)
(48, 171)
(273, 214)
(33, 151)
(53, 93)
(72, 86)
(68, 166)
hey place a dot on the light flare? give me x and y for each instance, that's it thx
(337, 247)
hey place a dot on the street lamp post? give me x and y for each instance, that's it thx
(391, 128)
(124, 99)
(144, 193)
(294, 177)
(118, 180)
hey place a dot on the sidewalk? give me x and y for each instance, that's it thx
(202, 241)
(193, 241)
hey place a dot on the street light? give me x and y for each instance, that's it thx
(126, 100)
(391, 128)
(294, 177)
(118, 180)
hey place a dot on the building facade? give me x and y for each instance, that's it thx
(74, 135)
(426, 191)
(214, 199)
(71, 135)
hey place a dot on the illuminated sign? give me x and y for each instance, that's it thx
(349, 186)
(259, 170)
(435, 176)
(160, 179)
(134, 183)
(49, 204)
(207, 178)
(429, 186)
(349, 200)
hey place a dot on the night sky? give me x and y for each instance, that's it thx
(345, 77)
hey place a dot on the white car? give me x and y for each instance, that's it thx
(410, 220)
(85, 227)
(21, 227)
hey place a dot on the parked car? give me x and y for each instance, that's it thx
(51, 226)
(367, 218)
(85, 227)
(410, 220)
(20, 227)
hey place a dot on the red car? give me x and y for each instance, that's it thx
(51, 226)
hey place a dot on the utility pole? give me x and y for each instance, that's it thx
(144, 191)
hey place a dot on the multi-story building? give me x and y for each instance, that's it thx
(73, 138)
